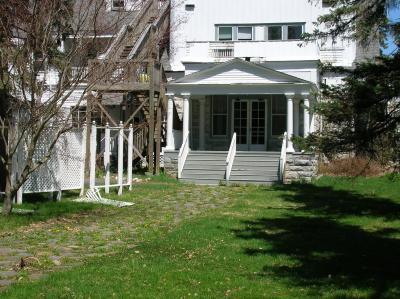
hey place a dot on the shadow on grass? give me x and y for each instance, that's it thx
(325, 252)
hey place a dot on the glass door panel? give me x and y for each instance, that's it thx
(240, 123)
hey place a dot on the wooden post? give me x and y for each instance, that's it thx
(130, 156)
(120, 157)
(93, 146)
(89, 107)
(151, 119)
(107, 158)
(84, 146)
(158, 140)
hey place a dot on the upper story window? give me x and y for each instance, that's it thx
(225, 33)
(245, 33)
(284, 32)
(294, 31)
(118, 4)
(274, 32)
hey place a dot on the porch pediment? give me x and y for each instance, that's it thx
(238, 72)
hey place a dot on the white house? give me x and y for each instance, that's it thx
(245, 78)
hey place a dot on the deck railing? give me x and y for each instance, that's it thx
(230, 158)
(282, 159)
(108, 72)
(183, 153)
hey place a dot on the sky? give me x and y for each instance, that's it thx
(394, 15)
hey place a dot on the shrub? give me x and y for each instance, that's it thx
(353, 166)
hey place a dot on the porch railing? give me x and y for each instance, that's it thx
(183, 153)
(282, 159)
(230, 158)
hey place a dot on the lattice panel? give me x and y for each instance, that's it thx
(64, 170)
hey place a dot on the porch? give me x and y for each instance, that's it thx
(234, 119)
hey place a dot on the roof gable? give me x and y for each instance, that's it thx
(238, 71)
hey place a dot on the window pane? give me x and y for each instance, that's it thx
(219, 125)
(220, 105)
(295, 31)
(225, 33)
(274, 32)
(278, 124)
(245, 33)
(118, 3)
(279, 106)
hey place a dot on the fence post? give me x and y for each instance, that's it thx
(84, 132)
(107, 158)
(93, 147)
(120, 157)
(130, 154)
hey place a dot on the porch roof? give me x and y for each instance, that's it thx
(239, 77)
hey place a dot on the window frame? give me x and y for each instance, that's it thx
(245, 26)
(226, 114)
(275, 25)
(219, 34)
(116, 8)
(277, 114)
(284, 31)
(294, 25)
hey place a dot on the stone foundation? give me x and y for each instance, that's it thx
(171, 163)
(300, 167)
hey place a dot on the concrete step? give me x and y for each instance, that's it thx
(205, 162)
(206, 176)
(203, 172)
(259, 172)
(267, 163)
(204, 167)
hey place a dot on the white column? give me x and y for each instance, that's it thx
(312, 118)
(296, 117)
(84, 130)
(120, 157)
(186, 110)
(290, 148)
(130, 156)
(170, 123)
(107, 158)
(93, 146)
(202, 124)
(306, 117)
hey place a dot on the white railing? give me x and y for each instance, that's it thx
(222, 50)
(183, 153)
(282, 159)
(230, 158)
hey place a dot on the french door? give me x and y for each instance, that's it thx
(249, 123)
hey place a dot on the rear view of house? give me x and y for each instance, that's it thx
(240, 77)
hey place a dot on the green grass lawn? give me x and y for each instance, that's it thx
(335, 238)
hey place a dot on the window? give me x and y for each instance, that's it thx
(245, 33)
(278, 117)
(295, 31)
(219, 115)
(118, 4)
(225, 33)
(274, 32)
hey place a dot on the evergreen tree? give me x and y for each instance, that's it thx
(362, 114)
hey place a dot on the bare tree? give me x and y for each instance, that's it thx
(44, 50)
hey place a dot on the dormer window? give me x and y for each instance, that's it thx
(118, 4)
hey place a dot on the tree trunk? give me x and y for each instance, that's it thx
(7, 205)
